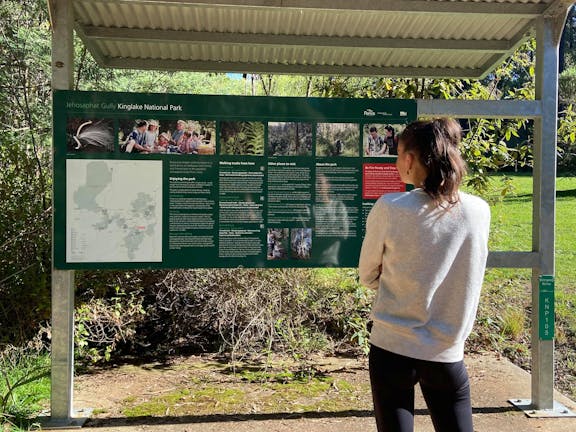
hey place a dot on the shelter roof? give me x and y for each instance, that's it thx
(408, 38)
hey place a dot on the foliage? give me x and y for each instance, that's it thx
(485, 149)
(568, 41)
(24, 382)
(567, 138)
(25, 174)
(290, 138)
(567, 86)
(242, 138)
(102, 323)
(279, 85)
(237, 311)
(337, 139)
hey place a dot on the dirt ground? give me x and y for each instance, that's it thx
(202, 394)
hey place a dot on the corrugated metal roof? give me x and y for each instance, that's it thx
(433, 38)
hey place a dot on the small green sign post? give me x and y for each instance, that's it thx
(546, 303)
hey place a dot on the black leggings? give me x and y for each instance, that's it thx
(445, 388)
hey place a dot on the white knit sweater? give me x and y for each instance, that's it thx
(427, 264)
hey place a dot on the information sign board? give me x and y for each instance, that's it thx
(185, 181)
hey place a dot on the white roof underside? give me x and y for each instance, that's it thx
(422, 38)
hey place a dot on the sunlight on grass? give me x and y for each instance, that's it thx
(270, 396)
(511, 226)
(511, 230)
(24, 386)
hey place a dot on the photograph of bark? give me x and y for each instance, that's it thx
(301, 243)
(289, 139)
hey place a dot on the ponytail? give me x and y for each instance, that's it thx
(435, 143)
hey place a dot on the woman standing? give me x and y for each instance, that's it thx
(425, 252)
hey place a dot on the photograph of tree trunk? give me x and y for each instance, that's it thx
(289, 139)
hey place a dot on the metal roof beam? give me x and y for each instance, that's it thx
(281, 68)
(480, 108)
(90, 44)
(145, 35)
(499, 59)
(512, 259)
(520, 10)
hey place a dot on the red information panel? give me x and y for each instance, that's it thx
(379, 179)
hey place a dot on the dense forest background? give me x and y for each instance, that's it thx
(158, 312)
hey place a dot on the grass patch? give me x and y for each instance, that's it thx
(511, 230)
(504, 316)
(511, 227)
(272, 389)
(255, 375)
(24, 386)
(204, 400)
(317, 394)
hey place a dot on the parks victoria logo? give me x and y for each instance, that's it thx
(369, 112)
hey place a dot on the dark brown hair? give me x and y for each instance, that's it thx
(436, 144)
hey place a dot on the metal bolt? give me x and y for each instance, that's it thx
(59, 64)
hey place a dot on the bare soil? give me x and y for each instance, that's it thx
(206, 394)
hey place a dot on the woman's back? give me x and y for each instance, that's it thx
(432, 262)
(425, 252)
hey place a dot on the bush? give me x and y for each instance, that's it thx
(24, 382)
(567, 85)
(239, 312)
(25, 241)
(567, 139)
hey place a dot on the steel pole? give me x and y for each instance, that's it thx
(544, 205)
(62, 347)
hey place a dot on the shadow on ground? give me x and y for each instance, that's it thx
(227, 418)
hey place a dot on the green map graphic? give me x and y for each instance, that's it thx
(115, 213)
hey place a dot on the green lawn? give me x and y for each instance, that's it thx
(511, 230)
(504, 315)
(24, 386)
(566, 234)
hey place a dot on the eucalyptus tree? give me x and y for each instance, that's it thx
(25, 184)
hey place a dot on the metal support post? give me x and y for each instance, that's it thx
(544, 206)
(543, 224)
(62, 346)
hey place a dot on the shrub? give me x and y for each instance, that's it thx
(24, 382)
(239, 312)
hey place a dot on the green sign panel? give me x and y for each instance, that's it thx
(546, 307)
(180, 181)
